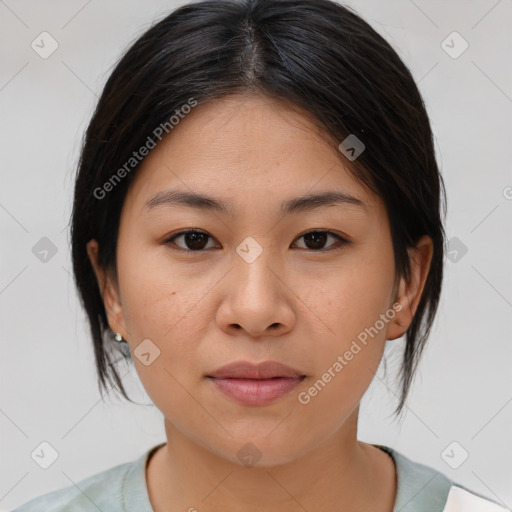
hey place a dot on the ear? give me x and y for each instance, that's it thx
(109, 292)
(409, 292)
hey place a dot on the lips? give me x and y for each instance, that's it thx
(246, 370)
(256, 384)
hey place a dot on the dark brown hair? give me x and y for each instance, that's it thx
(316, 54)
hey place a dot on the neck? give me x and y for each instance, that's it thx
(339, 474)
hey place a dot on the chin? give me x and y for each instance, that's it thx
(264, 451)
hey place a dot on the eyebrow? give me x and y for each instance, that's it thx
(204, 202)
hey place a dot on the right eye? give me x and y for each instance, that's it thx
(194, 240)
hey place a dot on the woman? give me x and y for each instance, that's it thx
(256, 212)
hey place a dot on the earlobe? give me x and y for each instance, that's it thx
(108, 291)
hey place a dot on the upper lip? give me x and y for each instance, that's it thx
(247, 370)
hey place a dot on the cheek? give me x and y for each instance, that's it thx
(345, 365)
(161, 300)
(350, 305)
(351, 295)
(167, 309)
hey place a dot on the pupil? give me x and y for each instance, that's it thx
(193, 240)
(318, 239)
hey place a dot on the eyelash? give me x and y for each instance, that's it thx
(342, 242)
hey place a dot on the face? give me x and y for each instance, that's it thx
(311, 286)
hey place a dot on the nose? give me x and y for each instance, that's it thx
(256, 299)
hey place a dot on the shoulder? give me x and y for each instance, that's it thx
(101, 491)
(421, 488)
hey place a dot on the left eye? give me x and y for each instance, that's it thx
(318, 238)
(196, 241)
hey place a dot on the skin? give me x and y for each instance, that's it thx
(295, 304)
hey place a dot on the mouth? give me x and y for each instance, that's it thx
(256, 384)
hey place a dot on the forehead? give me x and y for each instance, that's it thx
(243, 149)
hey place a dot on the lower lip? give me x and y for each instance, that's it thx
(256, 391)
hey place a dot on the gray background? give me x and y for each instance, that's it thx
(48, 391)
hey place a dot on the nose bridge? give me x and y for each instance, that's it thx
(252, 267)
